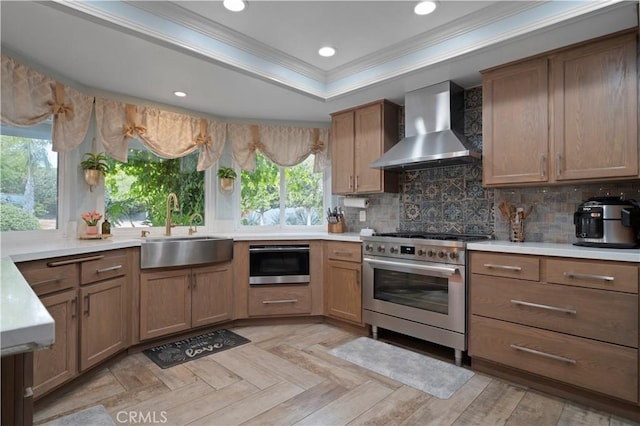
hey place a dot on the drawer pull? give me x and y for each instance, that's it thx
(271, 302)
(53, 280)
(109, 269)
(342, 253)
(506, 267)
(71, 261)
(548, 307)
(544, 354)
(589, 276)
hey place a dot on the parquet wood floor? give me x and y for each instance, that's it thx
(285, 376)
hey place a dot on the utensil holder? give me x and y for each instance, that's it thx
(516, 233)
(336, 228)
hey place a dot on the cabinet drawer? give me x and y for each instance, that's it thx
(598, 366)
(597, 314)
(46, 279)
(593, 274)
(280, 300)
(505, 265)
(101, 269)
(349, 252)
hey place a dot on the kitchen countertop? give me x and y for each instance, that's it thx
(554, 249)
(45, 249)
(25, 324)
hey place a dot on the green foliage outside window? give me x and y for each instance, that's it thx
(136, 192)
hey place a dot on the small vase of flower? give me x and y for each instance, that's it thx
(91, 219)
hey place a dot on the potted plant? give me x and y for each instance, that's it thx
(95, 167)
(226, 175)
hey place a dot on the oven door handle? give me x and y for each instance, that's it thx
(440, 270)
(277, 249)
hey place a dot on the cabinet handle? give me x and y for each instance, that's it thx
(543, 165)
(506, 267)
(544, 354)
(74, 308)
(193, 281)
(589, 276)
(342, 253)
(350, 182)
(109, 269)
(53, 280)
(548, 307)
(558, 168)
(71, 261)
(272, 302)
(88, 299)
(357, 182)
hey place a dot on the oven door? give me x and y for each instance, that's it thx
(424, 292)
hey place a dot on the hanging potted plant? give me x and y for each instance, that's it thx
(95, 167)
(226, 175)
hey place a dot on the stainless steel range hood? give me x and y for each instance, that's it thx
(434, 128)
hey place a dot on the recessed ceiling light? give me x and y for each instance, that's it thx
(327, 51)
(180, 94)
(425, 7)
(234, 5)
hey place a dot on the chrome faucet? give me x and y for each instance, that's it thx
(168, 226)
(193, 216)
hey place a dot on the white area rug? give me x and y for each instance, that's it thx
(94, 416)
(429, 375)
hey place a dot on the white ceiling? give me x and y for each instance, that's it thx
(262, 63)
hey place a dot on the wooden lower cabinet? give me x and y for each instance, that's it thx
(17, 389)
(179, 299)
(58, 364)
(103, 324)
(343, 281)
(289, 299)
(602, 367)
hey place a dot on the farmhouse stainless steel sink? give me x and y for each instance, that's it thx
(184, 251)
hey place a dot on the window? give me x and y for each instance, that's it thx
(28, 179)
(136, 192)
(281, 196)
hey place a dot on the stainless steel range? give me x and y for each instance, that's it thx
(415, 284)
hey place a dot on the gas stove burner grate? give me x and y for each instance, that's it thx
(435, 236)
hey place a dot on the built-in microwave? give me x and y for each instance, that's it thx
(278, 264)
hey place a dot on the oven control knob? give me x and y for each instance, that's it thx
(442, 254)
(431, 253)
(381, 249)
(368, 247)
(393, 249)
(453, 255)
(421, 252)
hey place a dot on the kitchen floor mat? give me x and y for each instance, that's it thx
(435, 377)
(175, 353)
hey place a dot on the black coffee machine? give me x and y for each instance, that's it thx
(608, 222)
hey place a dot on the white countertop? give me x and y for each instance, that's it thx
(554, 249)
(25, 324)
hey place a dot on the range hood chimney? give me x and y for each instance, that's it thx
(434, 129)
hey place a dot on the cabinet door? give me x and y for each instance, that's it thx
(165, 303)
(211, 295)
(368, 148)
(515, 124)
(595, 110)
(342, 153)
(103, 323)
(344, 291)
(57, 365)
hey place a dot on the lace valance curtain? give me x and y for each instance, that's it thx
(29, 97)
(283, 145)
(167, 134)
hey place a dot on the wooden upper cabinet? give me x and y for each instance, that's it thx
(359, 137)
(595, 110)
(515, 124)
(567, 116)
(342, 146)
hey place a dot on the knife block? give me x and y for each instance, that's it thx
(336, 228)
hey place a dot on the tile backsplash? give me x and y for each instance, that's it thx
(452, 198)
